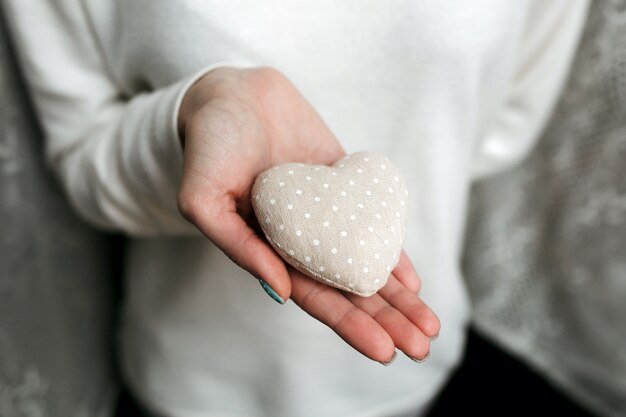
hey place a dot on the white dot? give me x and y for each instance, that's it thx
(298, 232)
(370, 228)
(264, 180)
(376, 256)
(325, 185)
(378, 216)
(281, 227)
(375, 180)
(353, 217)
(291, 252)
(257, 197)
(298, 191)
(334, 174)
(272, 201)
(401, 202)
(325, 224)
(343, 194)
(384, 204)
(316, 242)
(281, 184)
(307, 215)
(359, 171)
(275, 168)
(396, 179)
(322, 269)
(406, 192)
(333, 251)
(337, 276)
(377, 280)
(341, 165)
(317, 199)
(344, 233)
(290, 206)
(360, 205)
(390, 189)
(392, 228)
(300, 164)
(366, 270)
(335, 208)
(383, 166)
(267, 220)
(366, 159)
(397, 214)
(351, 182)
(307, 178)
(368, 192)
(388, 268)
(317, 168)
(349, 260)
(395, 255)
(386, 241)
(307, 258)
(362, 242)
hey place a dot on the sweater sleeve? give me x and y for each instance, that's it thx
(119, 159)
(549, 42)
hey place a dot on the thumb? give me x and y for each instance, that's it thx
(229, 231)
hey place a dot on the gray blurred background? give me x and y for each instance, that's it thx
(57, 279)
(545, 253)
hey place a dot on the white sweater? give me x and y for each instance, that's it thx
(449, 90)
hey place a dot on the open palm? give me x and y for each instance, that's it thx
(237, 123)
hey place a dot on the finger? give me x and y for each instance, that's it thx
(324, 147)
(353, 325)
(411, 306)
(221, 223)
(406, 336)
(406, 274)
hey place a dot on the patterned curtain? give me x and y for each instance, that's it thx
(56, 279)
(545, 254)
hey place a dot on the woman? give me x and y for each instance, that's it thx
(151, 106)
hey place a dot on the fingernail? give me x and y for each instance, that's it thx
(393, 358)
(420, 360)
(270, 291)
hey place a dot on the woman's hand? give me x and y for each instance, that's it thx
(236, 123)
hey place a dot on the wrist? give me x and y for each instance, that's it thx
(196, 94)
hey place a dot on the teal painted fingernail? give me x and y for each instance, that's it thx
(270, 291)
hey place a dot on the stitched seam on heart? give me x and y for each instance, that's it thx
(299, 265)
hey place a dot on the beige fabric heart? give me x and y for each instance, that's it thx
(342, 225)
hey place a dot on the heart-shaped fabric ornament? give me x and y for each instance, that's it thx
(342, 225)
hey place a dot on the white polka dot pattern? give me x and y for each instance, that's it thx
(342, 225)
